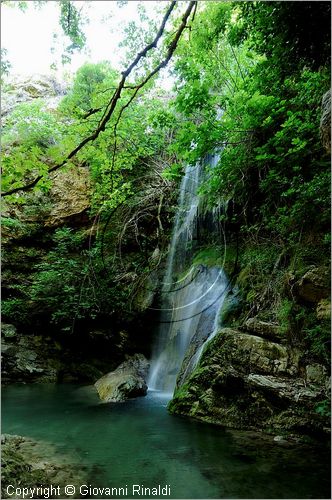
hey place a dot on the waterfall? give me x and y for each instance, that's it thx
(191, 295)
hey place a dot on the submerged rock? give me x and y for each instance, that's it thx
(127, 381)
(32, 463)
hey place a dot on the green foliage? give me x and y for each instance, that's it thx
(89, 89)
(70, 22)
(115, 158)
(288, 34)
(323, 408)
(16, 309)
(284, 315)
(318, 336)
(301, 323)
(272, 164)
(65, 284)
(11, 223)
(32, 125)
(249, 82)
(29, 134)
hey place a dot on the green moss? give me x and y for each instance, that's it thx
(16, 471)
(182, 400)
(283, 315)
(219, 256)
(210, 256)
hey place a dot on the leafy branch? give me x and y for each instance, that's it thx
(110, 108)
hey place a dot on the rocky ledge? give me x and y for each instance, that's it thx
(31, 463)
(32, 358)
(246, 381)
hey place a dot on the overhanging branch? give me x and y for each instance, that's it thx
(117, 93)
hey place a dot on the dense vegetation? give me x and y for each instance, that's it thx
(267, 74)
(249, 79)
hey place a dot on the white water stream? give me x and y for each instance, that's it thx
(192, 295)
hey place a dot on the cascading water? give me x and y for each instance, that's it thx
(192, 295)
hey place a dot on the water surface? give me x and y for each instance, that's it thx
(138, 442)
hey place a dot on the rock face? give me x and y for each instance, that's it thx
(314, 285)
(127, 381)
(69, 196)
(325, 121)
(247, 382)
(42, 359)
(21, 360)
(30, 88)
(263, 329)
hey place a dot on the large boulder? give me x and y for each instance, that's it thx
(127, 381)
(244, 381)
(325, 121)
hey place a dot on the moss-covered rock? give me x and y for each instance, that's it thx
(247, 382)
(30, 464)
(127, 381)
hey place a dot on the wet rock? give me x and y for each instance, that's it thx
(261, 355)
(314, 285)
(127, 381)
(294, 389)
(325, 121)
(248, 382)
(23, 360)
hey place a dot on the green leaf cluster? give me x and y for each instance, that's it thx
(272, 163)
